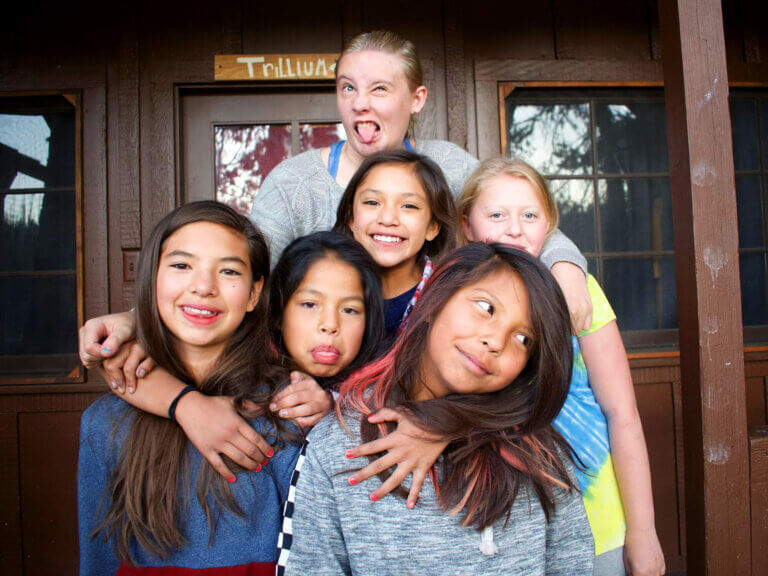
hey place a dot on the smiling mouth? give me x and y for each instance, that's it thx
(473, 364)
(367, 131)
(387, 239)
(200, 315)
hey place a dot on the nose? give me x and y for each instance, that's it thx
(361, 101)
(513, 228)
(492, 343)
(388, 214)
(329, 323)
(203, 282)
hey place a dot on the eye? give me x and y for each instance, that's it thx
(370, 202)
(347, 88)
(496, 216)
(530, 216)
(524, 339)
(380, 89)
(411, 206)
(180, 266)
(351, 311)
(308, 305)
(486, 306)
(230, 272)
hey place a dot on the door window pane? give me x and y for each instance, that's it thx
(244, 155)
(750, 211)
(744, 132)
(754, 306)
(575, 202)
(318, 135)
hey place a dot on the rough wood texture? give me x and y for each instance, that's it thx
(455, 85)
(503, 29)
(758, 479)
(706, 258)
(10, 507)
(575, 71)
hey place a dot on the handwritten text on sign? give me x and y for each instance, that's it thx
(275, 67)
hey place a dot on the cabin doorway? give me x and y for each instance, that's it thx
(231, 140)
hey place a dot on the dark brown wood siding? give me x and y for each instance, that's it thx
(128, 67)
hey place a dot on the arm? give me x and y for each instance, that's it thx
(568, 267)
(611, 381)
(97, 555)
(210, 422)
(570, 548)
(312, 541)
(409, 448)
(272, 215)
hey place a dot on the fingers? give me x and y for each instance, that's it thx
(416, 483)
(145, 367)
(371, 448)
(391, 483)
(260, 449)
(239, 455)
(376, 467)
(218, 464)
(113, 367)
(309, 421)
(385, 415)
(131, 366)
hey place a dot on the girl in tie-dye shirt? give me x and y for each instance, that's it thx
(508, 201)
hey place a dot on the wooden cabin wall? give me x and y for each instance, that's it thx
(129, 65)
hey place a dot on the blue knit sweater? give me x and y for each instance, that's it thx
(250, 540)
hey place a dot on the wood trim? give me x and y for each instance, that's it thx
(501, 70)
(455, 81)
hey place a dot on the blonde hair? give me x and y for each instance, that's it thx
(386, 41)
(515, 168)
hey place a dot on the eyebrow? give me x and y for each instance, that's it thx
(402, 194)
(183, 254)
(321, 293)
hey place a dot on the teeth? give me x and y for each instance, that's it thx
(390, 239)
(198, 311)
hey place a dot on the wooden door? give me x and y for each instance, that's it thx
(230, 141)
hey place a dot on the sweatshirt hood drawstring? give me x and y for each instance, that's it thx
(487, 547)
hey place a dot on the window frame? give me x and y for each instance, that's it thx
(643, 343)
(51, 362)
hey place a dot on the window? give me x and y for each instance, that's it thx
(604, 152)
(39, 270)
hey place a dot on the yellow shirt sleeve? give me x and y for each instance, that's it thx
(602, 313)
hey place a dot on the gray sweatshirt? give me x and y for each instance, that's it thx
(332, 528)
(300, 197)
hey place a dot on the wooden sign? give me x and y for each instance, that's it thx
(275, 66)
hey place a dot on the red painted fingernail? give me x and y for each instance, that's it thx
(231, 480)
(410, 505)
(270, 453)
(352, 480)
(349, 454)
(374, 497)
(264, 463)
(258, 467)
(371, 416)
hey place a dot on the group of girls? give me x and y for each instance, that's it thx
(454, 367)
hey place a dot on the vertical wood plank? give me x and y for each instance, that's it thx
(455, 85)
(756, 408)
(487, 109)
(10, 506)
(758, 479)
(48, 444)
(706, 258)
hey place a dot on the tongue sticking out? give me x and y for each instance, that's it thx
(367, 131)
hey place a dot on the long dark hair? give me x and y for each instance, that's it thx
(290, 271)
(497, 440)
(432, 180)
(144, 501)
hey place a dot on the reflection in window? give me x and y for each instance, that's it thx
(244, 155)
(38, 236)
(318, 135)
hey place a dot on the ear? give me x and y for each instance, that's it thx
(432, 231)
(418, 99)
(466, 228)
(253, 299)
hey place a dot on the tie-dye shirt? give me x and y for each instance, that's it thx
(583, 425)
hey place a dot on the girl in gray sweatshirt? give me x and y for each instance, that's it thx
(485, 360)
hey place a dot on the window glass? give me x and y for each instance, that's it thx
(744, 133)
(319, 135)
(38, 237)
(631, 136)
(575, 202)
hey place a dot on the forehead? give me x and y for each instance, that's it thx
(206, 239)
(371, 65)
(393, 177)
(332, 276)
(510, 190)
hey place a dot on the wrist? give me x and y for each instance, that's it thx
(182, 403)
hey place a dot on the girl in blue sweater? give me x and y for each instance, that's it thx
(147, 500)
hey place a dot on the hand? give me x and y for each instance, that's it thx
(101, 337)
(123, 368)
(302, 400)
(642, 553)
(213, 425)
(409, 447)
(573, 283)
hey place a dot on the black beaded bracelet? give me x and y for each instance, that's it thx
(172, 408)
